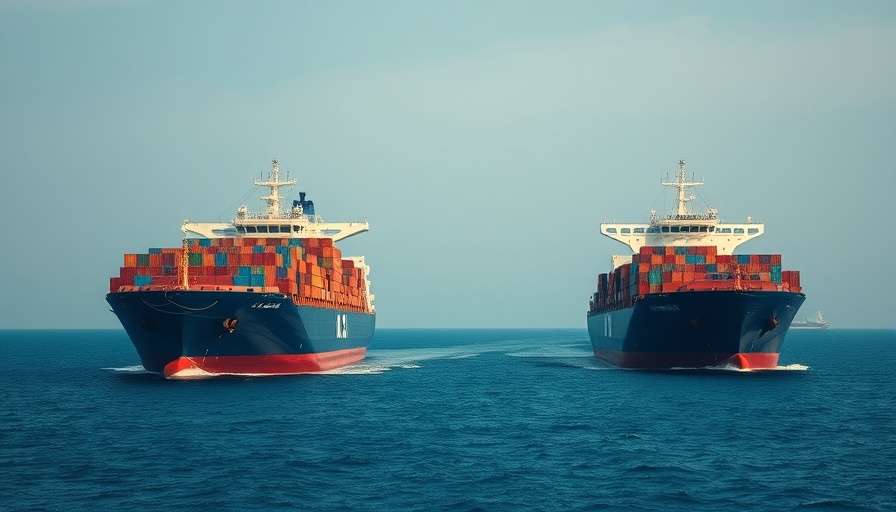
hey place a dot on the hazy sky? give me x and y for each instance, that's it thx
(485, 141)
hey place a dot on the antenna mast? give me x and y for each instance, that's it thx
(681, 184)
(273, 199)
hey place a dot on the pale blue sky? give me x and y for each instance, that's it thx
(484, 140)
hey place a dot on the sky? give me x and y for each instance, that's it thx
(485, 141)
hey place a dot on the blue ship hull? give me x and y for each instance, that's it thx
(235, 332)
(696, 329)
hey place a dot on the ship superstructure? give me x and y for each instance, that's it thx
(299, 221)
(684, 227)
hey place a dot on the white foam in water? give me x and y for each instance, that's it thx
(732, 368)
(571, 350)
(192, 373)
(361, 368)
(461, 356)
(384, 360)
(135, 369)
(575, 353)
(793, 367)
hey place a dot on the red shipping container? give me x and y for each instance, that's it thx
(672, 286)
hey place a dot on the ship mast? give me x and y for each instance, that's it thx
(681, 184)
(273, 199)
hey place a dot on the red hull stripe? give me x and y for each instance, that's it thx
(757, 360)
(279, 364)
(747, 361)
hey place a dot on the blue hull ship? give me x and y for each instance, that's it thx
(268, 293)
(744, 329)
(684, 299)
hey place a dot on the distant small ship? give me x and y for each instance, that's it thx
(811, 323)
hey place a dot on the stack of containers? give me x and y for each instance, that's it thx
(667, 269)
(310, 270)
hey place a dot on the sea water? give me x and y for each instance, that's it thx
(450, 420)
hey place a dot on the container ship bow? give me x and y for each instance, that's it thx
(683, 299)
(268, 293)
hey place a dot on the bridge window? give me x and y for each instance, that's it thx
(251, 229)
(611, 230)
(626, 231)
(738, 231)
(274, 229)
(704, 229)
(675, 229)
(653, 229)
(665, 229)
(639, 230)
(262, 229)
(725, 230)
(241, 230)
(752, 231)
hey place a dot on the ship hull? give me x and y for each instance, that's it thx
(696, 329)
(182, 333)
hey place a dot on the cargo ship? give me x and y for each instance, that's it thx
(268, 293)
(811, 323)
(683, 299)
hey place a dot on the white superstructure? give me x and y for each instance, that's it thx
(682, 228)
(275, 222)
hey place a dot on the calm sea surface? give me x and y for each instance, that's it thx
(450, 420)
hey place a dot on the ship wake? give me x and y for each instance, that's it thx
(734, 368)
(381, 361)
